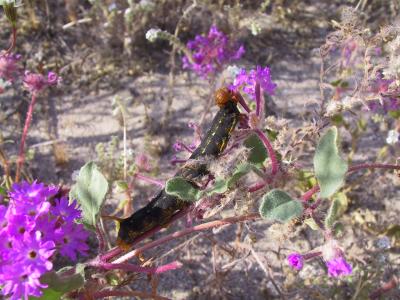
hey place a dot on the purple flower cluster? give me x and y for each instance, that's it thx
(295, 261)
(9, 66)
(31, 229)
(387, 96)
(211, 52)
(35, 83)
(248, 81)
(338, 267)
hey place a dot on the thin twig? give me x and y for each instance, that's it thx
(175, 235)
(21, 155)
(111, 293)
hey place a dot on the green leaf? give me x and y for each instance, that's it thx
(278, 205)
(329, 167)
(332, 213)
(59, 284)
(183, 189)
(90, 190)
(222, 185)
(3, 191)
(258, 153)
(48, 294)
(312, 224)
(122, 185)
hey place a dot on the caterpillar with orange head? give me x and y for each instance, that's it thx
(163, 207)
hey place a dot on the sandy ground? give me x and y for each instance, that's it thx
(81, 122)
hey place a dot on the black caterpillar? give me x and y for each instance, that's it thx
(163, 206)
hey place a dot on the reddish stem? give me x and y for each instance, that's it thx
(175, 161)
(117, 251)
(101, 239)
(270, 150)
(242, 102)
(175, 235)
(149, 179)
(311, 255)
(130, 294)
(373, 166)
(13, 39)
(21, 155)
(258, 186)
(308, 195)
(138, 269)
(258, 99)
(186, 147)
(386, 287)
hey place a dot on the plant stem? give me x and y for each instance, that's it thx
(13, 39)
(258, 99)
(242, 102)
(21, 155)
(270, 150)
(149, 179)
(307, 195)
(175, 235)
(138, 269)
(130, 294)
(373, 166)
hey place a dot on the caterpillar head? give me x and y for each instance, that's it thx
(224, 95)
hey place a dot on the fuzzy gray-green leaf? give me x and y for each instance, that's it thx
(222, 185)
(258, 153)
(329, 167)
(332, 213)
(90, 191)
(183, 189)
(278, 205)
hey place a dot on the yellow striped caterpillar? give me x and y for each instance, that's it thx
(163, 206)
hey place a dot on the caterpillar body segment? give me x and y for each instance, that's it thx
(162, 207)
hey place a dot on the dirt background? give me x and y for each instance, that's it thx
(70, 120)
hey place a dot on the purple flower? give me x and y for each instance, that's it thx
(211, 52)
(248, 81)
(35, 82)
(177, 146)
(71, 239)
(8, 66)
(30, 199)
(338, 267)
(34, 252)
(67, 212)
(18, 225)
(142, 162)
(31, 229)
(19, 282)
(3, 220)
(295, 261)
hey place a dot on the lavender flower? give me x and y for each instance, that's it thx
(72, 240)
(248, 81)
(142, 162)
(295, 261)
(338, 267)
(211, 52)
(9, 66)
(35, 83)
(31, 229)
(384, 105)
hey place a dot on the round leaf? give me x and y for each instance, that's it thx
(329, 167)
(183, 189)
(90, 190)
(258, 153)
(278, 205)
